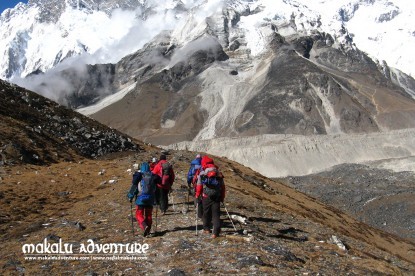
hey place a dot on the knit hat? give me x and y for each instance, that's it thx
(163, 157)
(198, 156)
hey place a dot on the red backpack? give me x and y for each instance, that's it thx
(166, 175)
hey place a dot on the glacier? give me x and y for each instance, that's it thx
(279, 155)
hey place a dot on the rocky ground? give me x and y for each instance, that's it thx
(379, 197)
(286, 232)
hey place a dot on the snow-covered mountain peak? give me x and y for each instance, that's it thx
(73, 27)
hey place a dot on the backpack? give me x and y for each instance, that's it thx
(212, 184)
(144, 167)
(196, 174)
(146, 189)
(166, 174)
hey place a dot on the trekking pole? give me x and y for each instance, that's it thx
(132, 222)
(223, 204)
(197, 205)
(155, 229)
(172, 201)
(187, 200)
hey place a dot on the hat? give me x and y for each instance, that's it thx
(198, 156)
(154, 160)
(163, 157)
(135, 166)
(206, 160)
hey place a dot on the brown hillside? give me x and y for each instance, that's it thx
(287, 232)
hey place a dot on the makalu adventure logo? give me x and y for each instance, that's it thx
(85, 251)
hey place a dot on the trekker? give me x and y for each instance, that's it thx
(211, 187)
(153, 163)
(194, 166)
(165, 170)
(194, 170)
(143, 187)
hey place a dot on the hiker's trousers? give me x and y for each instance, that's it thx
(144, 216)
(211, 215)
(162, 199)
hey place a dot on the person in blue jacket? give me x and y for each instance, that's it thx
(195, 168)
(143, 187)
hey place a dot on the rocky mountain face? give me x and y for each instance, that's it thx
(36, 130)
(301, 85)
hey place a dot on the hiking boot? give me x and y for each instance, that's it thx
(146, 231)
(144, 227)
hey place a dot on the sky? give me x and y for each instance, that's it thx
(4, 4)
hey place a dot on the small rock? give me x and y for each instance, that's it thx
(65, 193)
(245, 261)
(335, 240)
(239, 219)
(80, 226)
(175, 272)
(53, 237)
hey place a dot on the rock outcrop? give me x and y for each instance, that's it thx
(37, 130)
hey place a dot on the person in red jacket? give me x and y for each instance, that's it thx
(153, 163)
(211, 187)
(165, 170)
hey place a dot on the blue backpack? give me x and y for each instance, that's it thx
(146, 187)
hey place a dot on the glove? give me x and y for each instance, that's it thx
(130, 197)
(131, 200)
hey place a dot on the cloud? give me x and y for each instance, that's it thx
(53, 84)
(109, 39)
(204, 43)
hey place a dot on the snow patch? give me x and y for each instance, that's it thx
(89, 110)
(168, 124)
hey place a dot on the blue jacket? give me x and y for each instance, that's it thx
(194, 165)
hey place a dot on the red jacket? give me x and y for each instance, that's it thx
(159, 171)
(207, 165)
